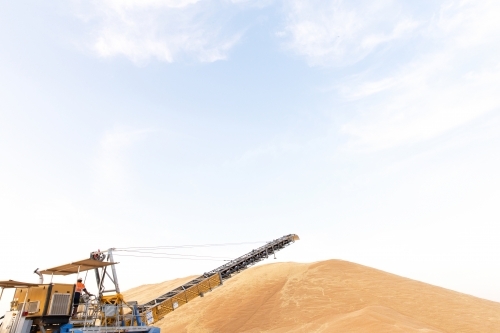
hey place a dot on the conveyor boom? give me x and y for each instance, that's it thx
(156, 309)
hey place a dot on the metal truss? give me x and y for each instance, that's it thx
(253, 257)
(171, 300)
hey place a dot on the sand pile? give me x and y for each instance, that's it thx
(328, 296)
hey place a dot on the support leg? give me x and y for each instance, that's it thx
(42, 329)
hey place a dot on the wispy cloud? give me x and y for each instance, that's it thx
(437, 67)
(267, 150)
(166, 30)
(336, 32)
(453, 81)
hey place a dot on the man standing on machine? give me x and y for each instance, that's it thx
(78, 292)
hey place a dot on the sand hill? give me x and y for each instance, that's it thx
(328, 296)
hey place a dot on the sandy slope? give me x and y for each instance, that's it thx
(328, 296)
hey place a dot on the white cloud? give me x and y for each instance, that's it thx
(337, 32)
(128, 4)
(453, 81)
(270, 149)
(438, 67)
(166, 30)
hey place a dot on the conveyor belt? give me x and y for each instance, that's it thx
(253, 257)
(162, 305)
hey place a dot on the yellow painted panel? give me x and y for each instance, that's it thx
(41, 294)
(38, 294)
(60, 288)
(183, 297)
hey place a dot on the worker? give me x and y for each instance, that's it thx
(78, 292)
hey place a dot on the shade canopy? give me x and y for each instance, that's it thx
(77, 266)
(16, 284)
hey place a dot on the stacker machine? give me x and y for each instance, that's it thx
(47, 307)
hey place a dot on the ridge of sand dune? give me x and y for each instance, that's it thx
(327, 296)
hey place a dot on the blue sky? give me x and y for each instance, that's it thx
(371, 130)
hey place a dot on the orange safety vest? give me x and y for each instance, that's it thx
(79, 287)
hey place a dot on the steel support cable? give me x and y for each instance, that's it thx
(171, 254)
(214, 278)
(185, 246)
(164, 257)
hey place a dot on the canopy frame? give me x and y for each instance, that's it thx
(7, 284)
(77, 267)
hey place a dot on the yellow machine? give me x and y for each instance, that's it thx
(47, 301)
(45, 306)
(38, 308)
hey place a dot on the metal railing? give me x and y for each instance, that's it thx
(92, 313)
